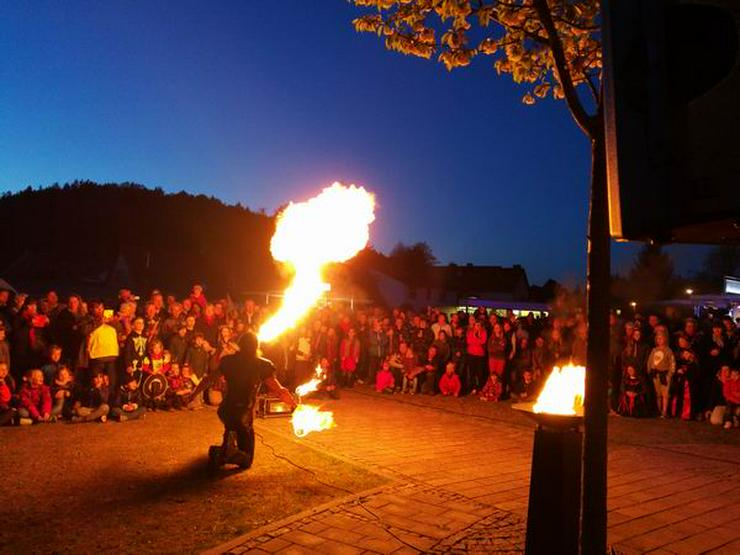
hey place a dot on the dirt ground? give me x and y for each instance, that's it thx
(142, 486)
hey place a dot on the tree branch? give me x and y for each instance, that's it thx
(592, 87)
(585, 122)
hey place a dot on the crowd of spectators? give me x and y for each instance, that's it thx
(83, 362)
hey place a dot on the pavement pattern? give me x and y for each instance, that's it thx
(460, 484)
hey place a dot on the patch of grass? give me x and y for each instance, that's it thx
(143, 486)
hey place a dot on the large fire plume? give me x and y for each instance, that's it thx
(331, 227)
(564, 391)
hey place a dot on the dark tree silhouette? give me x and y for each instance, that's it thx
(66, 236)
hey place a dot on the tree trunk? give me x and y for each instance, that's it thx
(593, 535)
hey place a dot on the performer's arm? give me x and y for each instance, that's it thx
(277, 389)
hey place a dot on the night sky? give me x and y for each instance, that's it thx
(264, 102)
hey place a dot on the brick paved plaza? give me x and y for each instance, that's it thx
(459, 474)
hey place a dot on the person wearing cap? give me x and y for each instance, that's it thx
(244, 372)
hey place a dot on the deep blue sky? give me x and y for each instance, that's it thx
(264, 102)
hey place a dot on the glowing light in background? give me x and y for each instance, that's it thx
(331, 227)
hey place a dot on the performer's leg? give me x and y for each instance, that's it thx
(245, 442)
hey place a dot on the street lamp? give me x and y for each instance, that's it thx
(689, 291)
(633, 304)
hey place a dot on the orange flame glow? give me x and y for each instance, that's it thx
(331, 227)
(313, 384)
(309, 418)
(564, 391)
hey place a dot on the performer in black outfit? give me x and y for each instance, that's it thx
(244, 371)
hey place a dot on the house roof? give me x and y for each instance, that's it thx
(471, 280)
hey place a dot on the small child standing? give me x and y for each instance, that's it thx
(34, 399)
(661, 365)
(449, 383)
(384, 381)
(128, 403)
(7, 391)
(61, 392)
(157, 360)
(492, 389)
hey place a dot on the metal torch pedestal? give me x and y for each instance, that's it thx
(553, 517)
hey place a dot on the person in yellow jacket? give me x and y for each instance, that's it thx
(102, 348)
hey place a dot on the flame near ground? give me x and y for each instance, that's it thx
(329, 228)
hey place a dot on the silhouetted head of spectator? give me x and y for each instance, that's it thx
(96, 309)
(248, 344)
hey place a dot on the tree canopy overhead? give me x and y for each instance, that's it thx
(554, 46)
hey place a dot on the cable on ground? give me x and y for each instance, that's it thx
(383, 525)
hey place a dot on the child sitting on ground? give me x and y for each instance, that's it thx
(177, 392)
(62, 392)
(190, 382)
(525, 389)
(717, 405)
(7, 391)
(632, 399)
(384, 382)
(128, 403)
(34, 399)
(493, 388)
(91, 404)
(731, 391)
(411, 371)
(449, 383)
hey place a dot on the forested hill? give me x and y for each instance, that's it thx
(97, 237)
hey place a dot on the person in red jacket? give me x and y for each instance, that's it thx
(384, 381)
(493, 389)
(349, 356)
(449, 383)
(731, 391)
(476, 342)
(7, 390)
(34, 399)
(197, 296)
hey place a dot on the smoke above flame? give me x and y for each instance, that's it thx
(328, 228)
